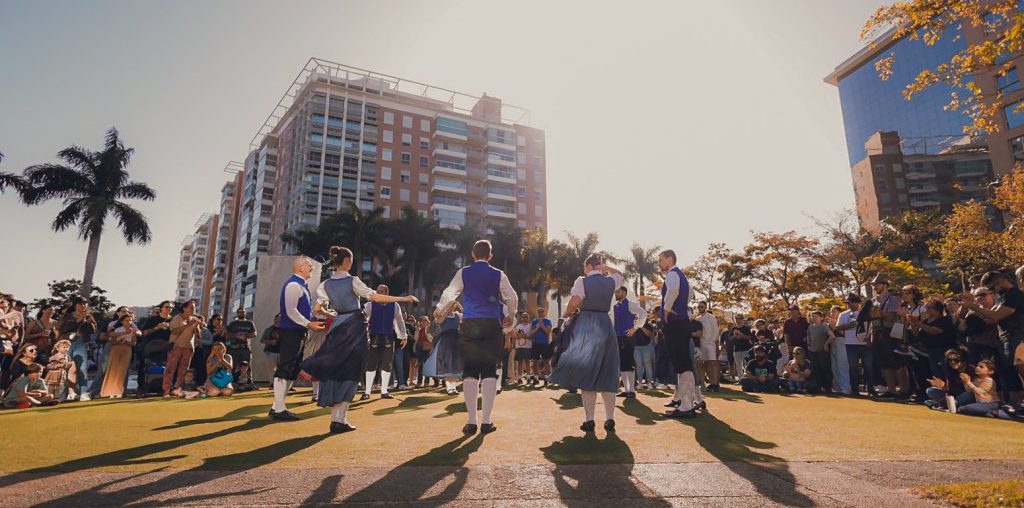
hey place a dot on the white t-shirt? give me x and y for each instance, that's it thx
(850, 334)
(521, 342)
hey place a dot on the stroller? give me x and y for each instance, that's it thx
(154, 358)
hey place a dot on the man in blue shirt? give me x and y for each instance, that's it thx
(540, 354)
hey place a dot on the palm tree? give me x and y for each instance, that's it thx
(642, 264)
(316, 242)
(367, 234)
(538, 255)
(417, 237)
(11, 180)
(507, 243)
(92, 185)
(464, 238)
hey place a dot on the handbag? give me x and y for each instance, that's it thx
(221, 378)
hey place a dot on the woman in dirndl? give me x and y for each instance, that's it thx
(340, 361)
(591, 361)
(445, 360)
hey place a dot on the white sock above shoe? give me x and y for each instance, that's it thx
(369, 381)
(489, 388)
(470, 387)
(280, 392)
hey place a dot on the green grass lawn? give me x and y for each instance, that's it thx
(536, 426)
(1008, 493)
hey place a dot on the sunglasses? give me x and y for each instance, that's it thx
(32, 350)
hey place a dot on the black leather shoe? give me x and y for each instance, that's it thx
(341, 428)
(702, 406)
(487, 428)
(364, 397)
(469, 429)
(283, 416)
(386, 396)
(588, 426)
(674, 403)
(623, 394)
(682, 414)
(609, 425)
(631, 395)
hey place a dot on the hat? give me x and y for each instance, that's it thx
(853, 298)
(880, 279)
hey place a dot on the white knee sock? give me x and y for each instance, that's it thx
(631, 381)
(489, 388)
(385, 381)
(608, 399)
(686, 384)
(280, 391)
(339, 411)
(449, 384)
(470, 387)
(316, 388)
(624, 380)
(369, 381)
(589, 405)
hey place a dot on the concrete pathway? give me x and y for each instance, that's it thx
(707, 484)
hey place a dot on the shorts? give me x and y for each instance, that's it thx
(708, 352)
(481, 341)
(523, 354)
(541, 351)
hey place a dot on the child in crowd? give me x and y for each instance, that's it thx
(980, 397)
(29, 390)
(188, 389)
(798, 371)
(524, 346)
(952, 385)
(61, 375)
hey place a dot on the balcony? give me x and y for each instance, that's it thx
(450, 205)
(455, 151)
(916, 174)
(923, 203)
(498, 144)
(500, 214)
(448, 168)
(446, 134)
(500, 194)
(448, 187)
(499, 161)
(922, 189)
(498, 176)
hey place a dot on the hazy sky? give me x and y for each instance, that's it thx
(684, 122)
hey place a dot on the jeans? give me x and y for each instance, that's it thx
(822, 372)
(840, 368)
(752, 385)
(862, 367)
(936, 394)
(796, 386)
(966, 405)
(399, 366)
(644, 358)
(80, 354)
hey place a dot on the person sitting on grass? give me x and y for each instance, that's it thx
(219, 366)
(980, 397)
(189, 390)
(28, 390)
(760, 373)
(952, 385)
(798, 371)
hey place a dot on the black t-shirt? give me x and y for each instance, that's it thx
(763, 368)
(743, 340)
(151, 323)
(642, 337)
(943, 340)
(1011, 327)
(241, 328)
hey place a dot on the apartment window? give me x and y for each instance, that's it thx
(389, 137)
(538, 177)
(385, 192)
(425, 125)
(389, 118)
(424, 179)
(522, 192)
(407, 121)
(1009, 82)
(538, 210)
(538, 160)
(406, 157)
(901, 183)
(521, 140)
(387, 212)
(385, 173)
(424, 160)
(406, 139)
(406, 176)
(521, 158)
(1017, 148)
(403, 194)
(538, 194)
(385, 154)
(423, 197)
(522, 175)
(1014, 118)
(424, 143)
(882, 185)
(522, 208)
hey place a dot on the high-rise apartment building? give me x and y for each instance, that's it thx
(223, 259)
(345, 136)
(879, 122)
(195, 279)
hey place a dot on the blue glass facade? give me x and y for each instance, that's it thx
(871, 105)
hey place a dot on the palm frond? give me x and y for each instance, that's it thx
(79, 157)
(136, 190)
(132, 223)
(69, 215)
(56, 181)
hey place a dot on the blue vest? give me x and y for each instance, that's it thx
(382, 318)
(303, 306)
(682, 311)
(599, 291)
(481, 294)
(343, 300)
(624, 319)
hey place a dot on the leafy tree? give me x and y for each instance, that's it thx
(92, 186)
(774, 263)
(704, 271)
(61, 292)
(417, 237)
(969, 245)
(907, 236)
(901, 273)
(928, 21)
(1009, 198)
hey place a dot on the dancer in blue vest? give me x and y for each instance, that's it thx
(445, 360)
(675, 314)
(484, 289)
(296, 312)
(387, 326)
(338, 364)
(630, 317)
(591, 362)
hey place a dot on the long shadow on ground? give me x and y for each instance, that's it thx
(580, 483)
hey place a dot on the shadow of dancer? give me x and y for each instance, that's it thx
(411, 403)
(740, 453)
(410, 481)
(591, 471)
(568, 401)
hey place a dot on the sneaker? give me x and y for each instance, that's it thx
(403, 387)
(703, 406)
(609, 425)
(588, 426)
(886, 395)
(452, 392)
(85, 397)
(660, 386)
(487, 428)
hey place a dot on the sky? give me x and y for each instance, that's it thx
(676, 123)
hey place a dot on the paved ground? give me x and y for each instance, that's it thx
(750, 450)
(705, 484)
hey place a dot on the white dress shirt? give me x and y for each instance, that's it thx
(579, 290)
(672, 284)
(508, 295)
(293, 292)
